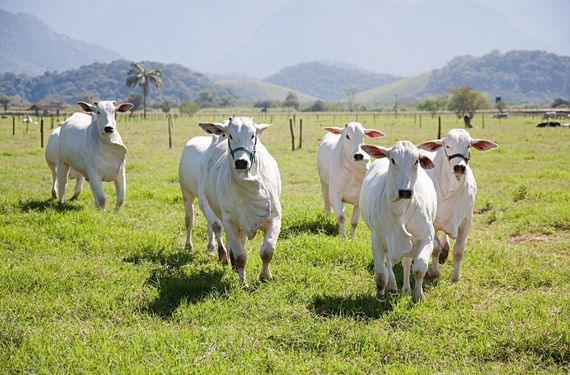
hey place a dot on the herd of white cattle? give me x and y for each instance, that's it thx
(405, 196)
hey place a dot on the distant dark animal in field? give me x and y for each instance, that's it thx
(467, 121)
(263, 110)
(548, 124)
(501, 115)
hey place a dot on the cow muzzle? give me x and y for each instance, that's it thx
(108, 129)
(459, 169)
(405, 194)
(358, 157)
(240, 164)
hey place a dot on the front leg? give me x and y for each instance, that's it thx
(78, 187)
(420, 267)
(354, 219)
(406, 263)
(380, 271)
(215, 224)
(336, 203)
(459, 248)
(268, 247)
(433, 270)
(120, 187)
(236, 240)
(97, 189)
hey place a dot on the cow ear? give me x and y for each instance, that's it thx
(375, 151)
(261, 127)
(372, 133)
(432, 145)
(216, 128)
(334, 130)
(426, 161)
(483, 144)
(124, 107)
(86, 106)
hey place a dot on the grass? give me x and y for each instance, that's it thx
(83, 291)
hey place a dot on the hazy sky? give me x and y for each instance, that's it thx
(257, 37)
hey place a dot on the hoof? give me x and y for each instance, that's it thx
(265, 277)
(432, 273)
(53, 195)
(211, 251)
(454, 278)
(417, 296)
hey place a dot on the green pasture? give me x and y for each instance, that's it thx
(83, 291)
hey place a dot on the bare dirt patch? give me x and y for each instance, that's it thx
(520, 238)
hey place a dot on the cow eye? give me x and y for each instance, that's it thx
(468, 146)
(253, 136)
(393, 162)
(231, 137)
(417, 161)
(347, 137)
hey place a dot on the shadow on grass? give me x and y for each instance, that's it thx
(48, 204)
(175, 287)
(314, 225)
(364, 306)
(429, 282)
(175, 260)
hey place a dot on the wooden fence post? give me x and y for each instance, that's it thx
(292, 134)
(438, 127)
(300, 132)
(483, 119)
(13, 125)
(51, 120)
(42, 132)
(169, 131)
(420, 120)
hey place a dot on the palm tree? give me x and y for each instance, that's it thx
(139, 76)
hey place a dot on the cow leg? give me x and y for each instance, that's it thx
(215, 224)
(120, 187)
(188, 202)
(459, 249)
(97, 189)
(444, 249)
(354, 220)
(78, 188)
(406, 263)
(62, 173)
(338, 208)
(236, 240)
(54, 181)
(391, 286)
(268, 247)
(420, 267)
(380, 271)
(325, 189)
(211, 247)
(433, 270)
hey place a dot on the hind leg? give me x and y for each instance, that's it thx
(62, 173)
(188, 200)
(54, 181)
(78, 187)
(325, 189)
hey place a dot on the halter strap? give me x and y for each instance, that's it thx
(466, 158)
(250, 153)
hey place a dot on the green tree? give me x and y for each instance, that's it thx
(433, 105)
(138, 75)
(466, 101)
(291, 101)
(166, 104)
(189, 108)
(136, 100)
(317, 106)
(4, 101)
(560, 102)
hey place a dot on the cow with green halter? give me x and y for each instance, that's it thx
(239, 190)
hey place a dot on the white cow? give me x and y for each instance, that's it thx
(398, 203)
(194, 156)
(52, 154)
(91, 144)
(456, 190)
(342, 166)
(241, 185)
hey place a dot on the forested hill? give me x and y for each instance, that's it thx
(29, 46)
(105, 81)
(516, 76)
(328, 81)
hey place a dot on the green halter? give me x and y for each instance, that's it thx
(250, 153)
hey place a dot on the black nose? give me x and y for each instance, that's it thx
(358, 157)
(108, 129)
(406, 194)
(241, 164)
(459, 168)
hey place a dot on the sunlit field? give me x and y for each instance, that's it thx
(83, 291)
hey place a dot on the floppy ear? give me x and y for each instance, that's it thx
(124, 107)
(86, 106)
(375, 151)
(372, 133)
(216, 128)
(334, 130)
(483, 144)
(261, 127)
(425, 161)
(432, 145)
